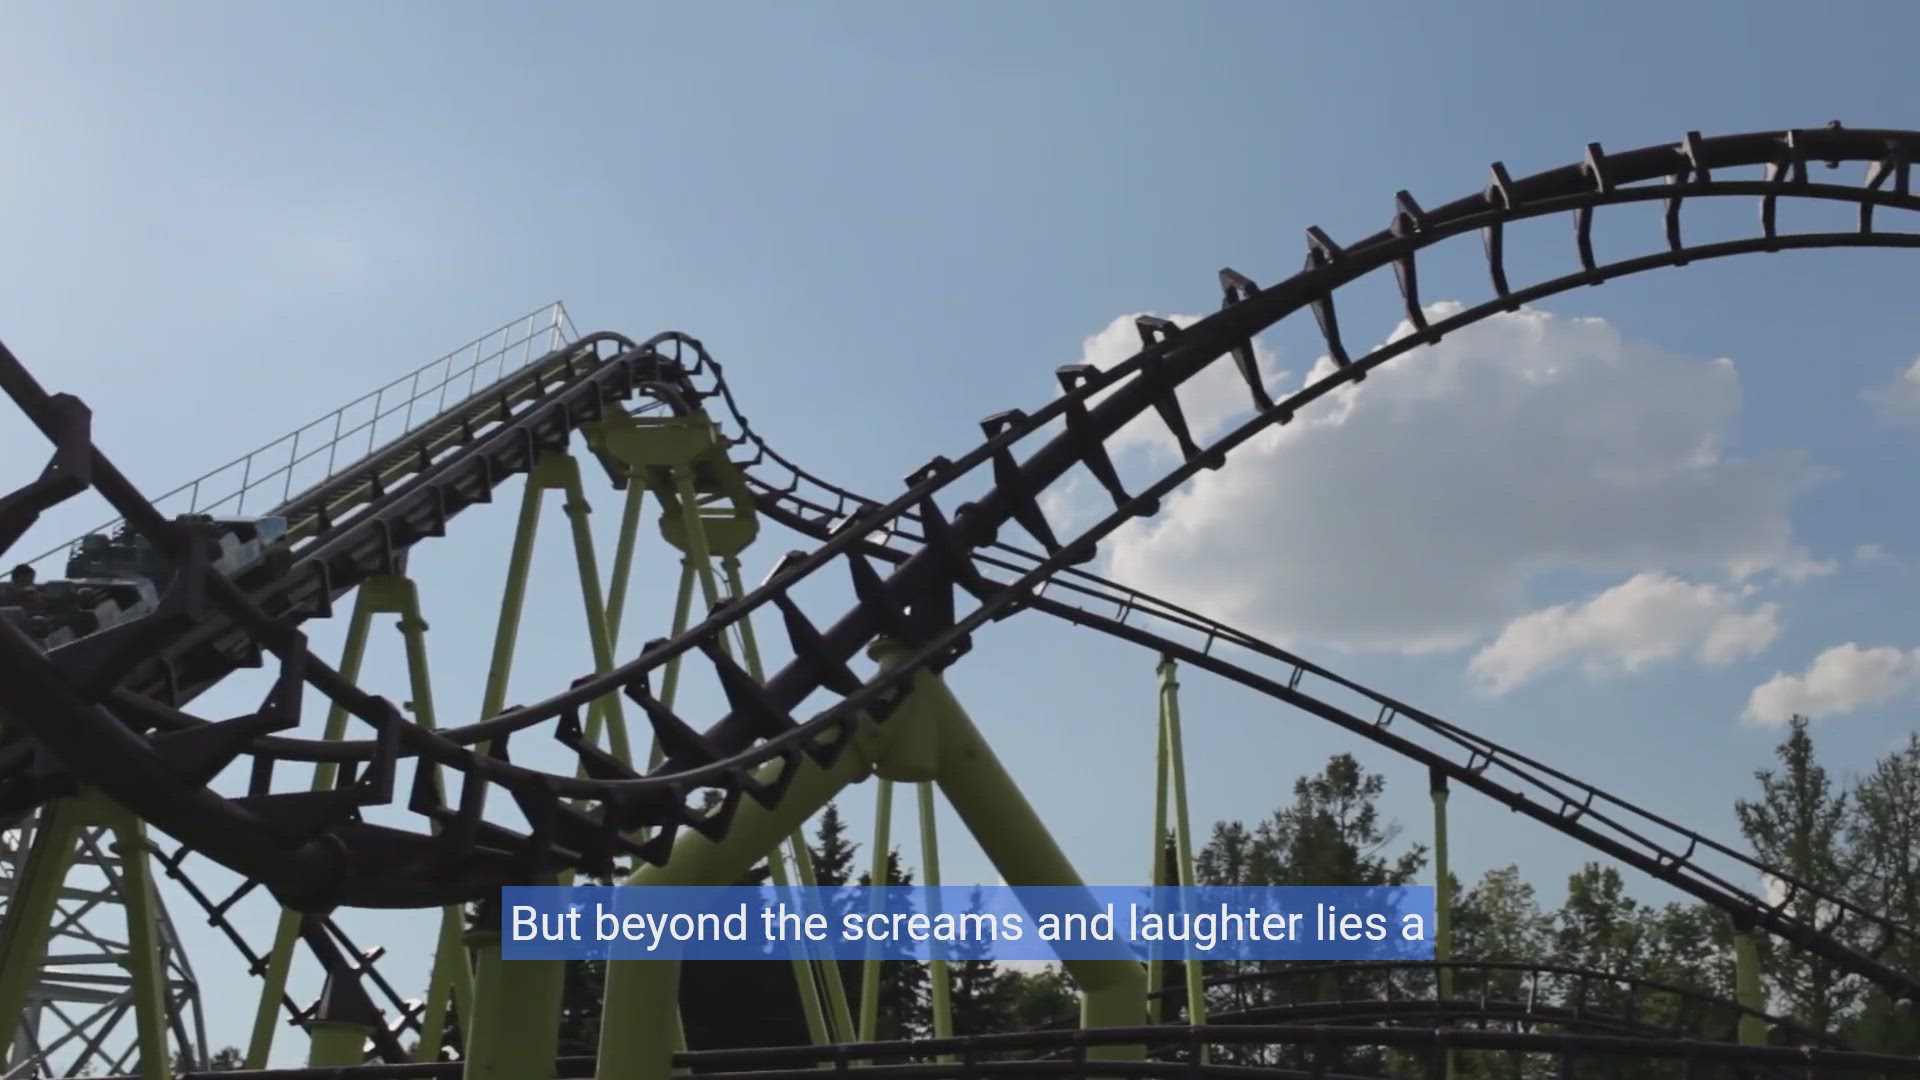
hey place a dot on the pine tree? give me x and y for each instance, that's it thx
(1331, 834)
(832, 853)
(1884, 833)
(1798, 824)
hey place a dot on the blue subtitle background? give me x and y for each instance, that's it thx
(628, 922)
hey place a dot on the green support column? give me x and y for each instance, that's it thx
(451, 977)
(623, 551)
(1442, 896)
(670, 677)
(609, 708)
(930, 857)
(143, 937)
(1747, 987)
(273, 986)
(1157, 873)
(1176, 765)
(538, 986)
(335, 1043)
(29, 917)
(796, 843)
(1113, 991)
(829, 967)
(802, 966)
(636, 1030)
(337, 1031)
(513, 597)
(508, 1038)
(870, 965)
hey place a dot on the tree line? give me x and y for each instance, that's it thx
(1667, 965)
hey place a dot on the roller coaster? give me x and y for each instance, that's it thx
(98, 736)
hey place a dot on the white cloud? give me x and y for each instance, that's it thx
(1874, 555)
(1646, 619)
(1208, 400)
(1839, 681)
(1063, 507)
(1899, 400)
(1413, 512)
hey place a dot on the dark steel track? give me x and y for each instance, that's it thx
(88, 711)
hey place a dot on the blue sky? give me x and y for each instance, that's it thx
(890, 221)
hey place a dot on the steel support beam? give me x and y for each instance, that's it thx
(1113, 991)
(1171, 766)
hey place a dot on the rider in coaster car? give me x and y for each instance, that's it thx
(24, 591)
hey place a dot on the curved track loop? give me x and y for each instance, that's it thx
(110, 714)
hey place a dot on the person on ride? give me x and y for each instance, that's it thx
(27, 595)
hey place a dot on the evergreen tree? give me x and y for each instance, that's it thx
(1799, 825)
(1884, 834)
(832, 853)
(1331, 834)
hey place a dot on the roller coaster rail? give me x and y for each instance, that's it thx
(86, 707)
(906, 1058)
(213, 490)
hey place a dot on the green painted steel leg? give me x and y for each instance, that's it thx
(802, 967)
(286, 933)
(451, 977)
(623, 551)
(335, 1043)
(829, 967)
(670, 678)
(930, 856)
(143, 938)
(1182, 826)
(870, 966)
(29, 917)
(514, 596)
(637, 1034)
(1442, 895)
(1746, 968)
(829, 972)
(1113, 991)
(1157, 876)
(610, 707)
(507, 1040)
(538, 985)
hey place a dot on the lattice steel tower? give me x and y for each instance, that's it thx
(80, 1015)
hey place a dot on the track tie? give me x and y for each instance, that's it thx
(745, 696)
(679, 741)
(1091, 451)
(1499, 194)
(1896, 166)
(1409, 220)
(1787, 169)
(877, 600)
(804, 639)
(1154, 331)
(715, 824)
(1236, 288)
(1010, 482)
(1323, 252)
(598, 764)
(940, 536)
